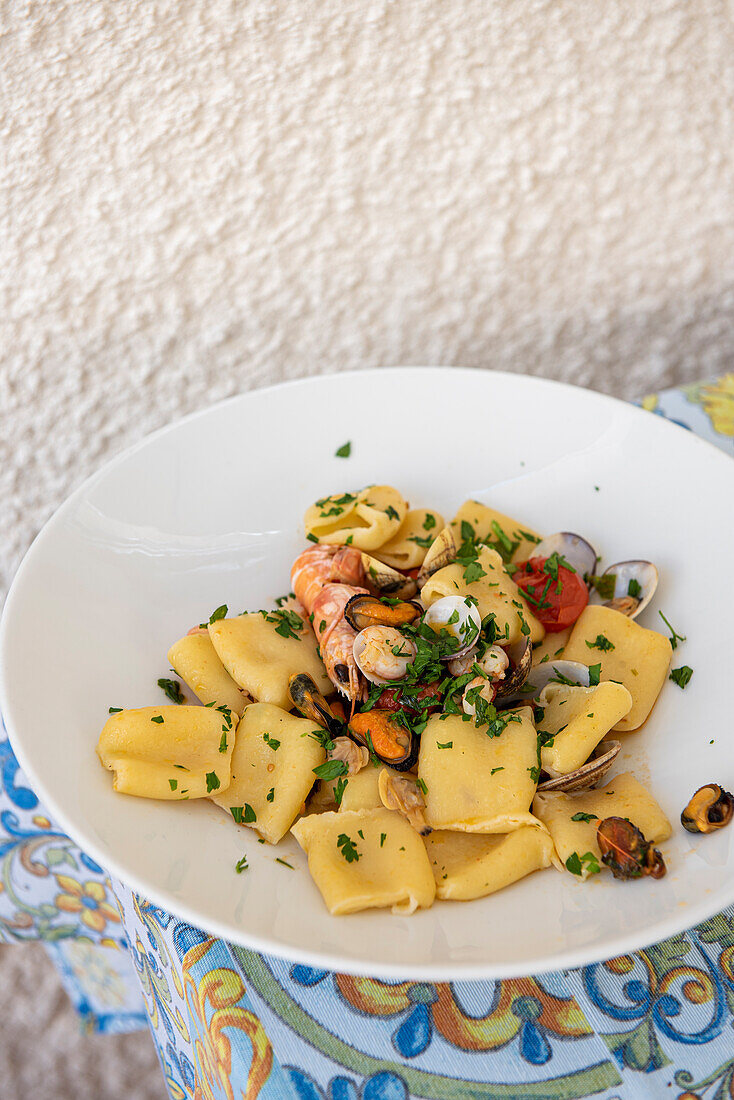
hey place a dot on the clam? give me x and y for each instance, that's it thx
(710, 808)
(385, 735)
(625, 851)
(441, 552)
(572, 673)
(362, 611)
(520, 657)
(588, 775)
(405, 796)
(383, 654)
(634, 584)
(579, 553)
(386, 580)
(307, 699)
(458, 617)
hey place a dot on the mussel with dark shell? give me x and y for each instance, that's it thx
(385, 735)
(710, 808)
(625, 851)
(307, 699)
(362, 611)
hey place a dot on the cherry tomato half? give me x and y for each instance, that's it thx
(556, 602)
(390, 698)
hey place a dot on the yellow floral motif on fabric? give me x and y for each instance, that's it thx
(87, 898)
(212, 1002)
(718, 403)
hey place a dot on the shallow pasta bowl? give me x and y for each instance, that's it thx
(209, 511)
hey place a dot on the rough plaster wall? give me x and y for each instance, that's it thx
(205, 195)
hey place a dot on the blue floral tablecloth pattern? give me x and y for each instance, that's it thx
(230, 1024)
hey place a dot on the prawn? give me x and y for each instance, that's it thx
(324, 578)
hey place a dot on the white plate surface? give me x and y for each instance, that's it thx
(209, 511)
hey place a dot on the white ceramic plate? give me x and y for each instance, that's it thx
(209, 511)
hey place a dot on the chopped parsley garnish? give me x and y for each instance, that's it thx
(347, 847)
(173, 783)
(601, 642)
(383, 838)
(391, 513)
(446, 745)
(114, 710)
(212, 782)
(594, 674)
(604, 585)
(344, 451)
(223, 743)
(421, 784)
(172, 689)
(220, 613)
(331, 769)
(535, 773)
(287, 623)
(421, 540)
(271, 741)
(474, 572)
(311, 537)
(157, 718)
(323, 737)
(429, 522)
(339, 788)
(285, 863)
(681, 676)
(236, 812)
(241, 865)
(249, 815)
(495, 770)
(675, 637)
(271, 794)
(634, 588)
(586, 818)
(575, 863)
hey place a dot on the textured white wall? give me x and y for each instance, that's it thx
(204, 195)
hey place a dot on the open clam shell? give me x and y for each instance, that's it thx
(521, 662)
(387, 581)
(441, 552)
(552, 672)
(635, 583)
(576, 550)
(588, 775)
(459, 617)
(383, 654)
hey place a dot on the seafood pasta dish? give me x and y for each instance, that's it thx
(434, 711)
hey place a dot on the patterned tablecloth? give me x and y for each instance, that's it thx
(232, 1024)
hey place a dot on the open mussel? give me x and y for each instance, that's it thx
(579, 553)
(710, 808)
(383, 654)
(627, 586)
(307, 699)
(626, 852)
(385, 735)
(588, 775)
(362, 611)
(441, 552)
(385, 580)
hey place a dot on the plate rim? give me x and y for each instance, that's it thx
(691, 915)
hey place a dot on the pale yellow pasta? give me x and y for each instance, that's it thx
(367, 519)
(494, 527)
(409, 546)
(391, 868)
(623, 796)
(195, 660)
(552, 646)
(640, 658)
(272, 769)
(495, 592)
(261, 661)
(175, 753)
(479, 784)
(578, 718)
(361, 792)
(470, 865)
